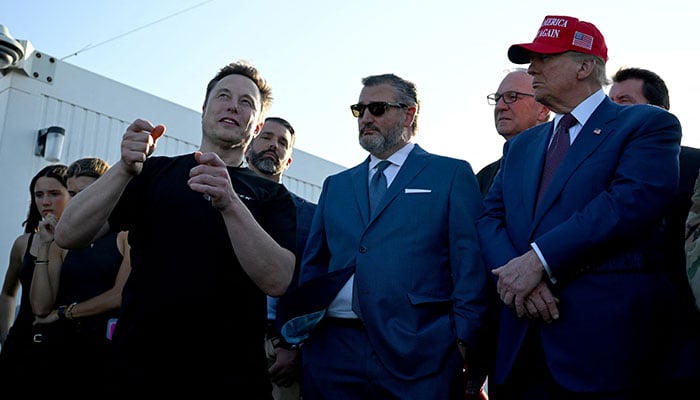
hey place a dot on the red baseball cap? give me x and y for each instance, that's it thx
(559, 34)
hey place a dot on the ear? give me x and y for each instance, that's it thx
(410, 114)
(258, 127)
(585, 69)
(289, 162)
(543, 114)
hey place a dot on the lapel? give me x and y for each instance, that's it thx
(598, 127)
(360, 185)
(415, 162)
(533, 165)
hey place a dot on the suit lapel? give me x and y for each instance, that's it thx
(533, 165)
(593, 133)
(361, 188)
(417, 160)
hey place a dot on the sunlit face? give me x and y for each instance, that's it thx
(526, 112)
(78, 183)
(383, 135)
(554, 76)
(231, 114)
(628, 91)
(271, 151)
(50, 196)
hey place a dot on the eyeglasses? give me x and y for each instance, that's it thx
(375, 108)
(508, 97)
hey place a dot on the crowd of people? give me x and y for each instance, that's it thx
(566, 269)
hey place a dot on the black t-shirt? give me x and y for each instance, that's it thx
(188, 308)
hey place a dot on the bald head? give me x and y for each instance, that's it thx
(512, 117)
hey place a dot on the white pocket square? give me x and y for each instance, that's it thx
(409, 191)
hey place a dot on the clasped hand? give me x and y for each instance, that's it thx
(521, 285)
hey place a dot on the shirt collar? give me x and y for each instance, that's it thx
(398, 158)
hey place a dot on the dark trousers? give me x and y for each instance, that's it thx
(339, 363)
(530, 379)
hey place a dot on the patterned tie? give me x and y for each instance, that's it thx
(377, 186)
(556, 152)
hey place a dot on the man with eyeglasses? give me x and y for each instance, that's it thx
(515, 109)
(572, 233)
(411, 305)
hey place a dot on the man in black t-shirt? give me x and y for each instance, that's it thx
(209, 238)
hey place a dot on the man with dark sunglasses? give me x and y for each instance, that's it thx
(515, 109)
(412, 299)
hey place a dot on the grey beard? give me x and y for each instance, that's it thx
(380, 144)
(266, 166)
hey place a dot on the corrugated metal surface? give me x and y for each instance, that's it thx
(95, 134)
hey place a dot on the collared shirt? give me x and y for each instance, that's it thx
(397, 159)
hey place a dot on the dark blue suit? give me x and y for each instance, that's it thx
(599, 228)
(418, 267)
(305, 214)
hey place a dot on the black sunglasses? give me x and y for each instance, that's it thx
(375, 108)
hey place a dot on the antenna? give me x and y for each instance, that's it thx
(90, 47)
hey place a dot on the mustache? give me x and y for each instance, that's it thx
(262, 153)
(368, 126)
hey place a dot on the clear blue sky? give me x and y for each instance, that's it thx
(314, 53)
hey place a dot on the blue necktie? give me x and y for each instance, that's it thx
(377, 186)
(556, 152)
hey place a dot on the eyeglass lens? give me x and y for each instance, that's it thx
(508, 97)
(376, 108)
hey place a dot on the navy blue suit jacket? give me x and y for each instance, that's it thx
(599, 228)
(417, 262)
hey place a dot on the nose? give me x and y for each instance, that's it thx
(501, 104)
(364, 113)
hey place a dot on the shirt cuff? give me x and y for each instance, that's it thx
(544, 263)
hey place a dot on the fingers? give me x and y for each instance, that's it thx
(211, 178)
(541, 304)
(139, 142)
(158, 131)
(520, 309)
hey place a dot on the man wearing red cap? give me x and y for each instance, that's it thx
(572, 232)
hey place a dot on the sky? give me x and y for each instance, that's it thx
(314, 54)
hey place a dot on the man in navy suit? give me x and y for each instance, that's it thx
(269, 155)
(401, 324)
(578, 263)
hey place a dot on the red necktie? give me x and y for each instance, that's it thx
(556, 152)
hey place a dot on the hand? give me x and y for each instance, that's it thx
(286, 369)
(518, 278)
(211, 178)
(47, 227)
(47, 319)
(541, 304)
(139, 142)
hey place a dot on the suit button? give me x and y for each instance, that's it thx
(363, 249)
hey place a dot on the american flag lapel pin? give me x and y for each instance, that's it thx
(596, 131)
